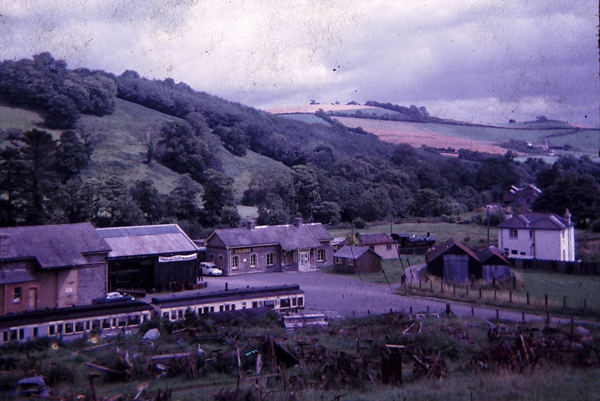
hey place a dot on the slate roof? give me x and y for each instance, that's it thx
(440, 249)
(289, 237)
(353, 252)
(487, 254)
(147, 240)
(53, 246)
(536, 221)
(376, 239)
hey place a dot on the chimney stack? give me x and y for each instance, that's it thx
(297, 221)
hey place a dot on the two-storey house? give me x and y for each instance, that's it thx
(544, 236)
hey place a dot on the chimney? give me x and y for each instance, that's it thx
(250, 224)
(297, 221)
(568, 217)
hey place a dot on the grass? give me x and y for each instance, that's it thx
(308, 118)
(473, 235)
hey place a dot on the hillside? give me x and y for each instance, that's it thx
(545, 136)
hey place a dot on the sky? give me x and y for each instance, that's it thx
(474, 60)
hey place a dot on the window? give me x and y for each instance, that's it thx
(514, 252)
(350, 262)
(270, 259)
(18, 295)
(513, 233)
(300, 301)
(235, 262)
(321, 255)
(243, 305)
(253, 258)
(211, 258)
(254, 304)
(523, 253)
(505, 251)
(285, 303)
(388, 247)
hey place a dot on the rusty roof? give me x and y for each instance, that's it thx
(443, 248)
(53, 246)
(161, 239)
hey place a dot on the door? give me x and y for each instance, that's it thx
(32, 298)
(303, 261)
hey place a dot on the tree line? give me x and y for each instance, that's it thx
(334, 174)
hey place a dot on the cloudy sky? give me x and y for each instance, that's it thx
(480, 60)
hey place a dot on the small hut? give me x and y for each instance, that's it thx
(356, 259)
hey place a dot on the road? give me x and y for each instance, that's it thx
(349, 296)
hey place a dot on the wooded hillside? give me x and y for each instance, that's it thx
(119, 150)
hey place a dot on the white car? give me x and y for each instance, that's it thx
(209, 269)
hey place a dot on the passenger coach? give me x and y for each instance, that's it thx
(279, 298)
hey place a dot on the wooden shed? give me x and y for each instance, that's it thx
(356, 259)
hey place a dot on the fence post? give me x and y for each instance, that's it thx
(497, 314)
(480, 293)
(495, 291)
(454, 289)
(442, 287)
(472, 312)
(527, 294)
(546, 300)
(523, 317)
(431, 285)
(565, 302)
(510, 297)
(467, 291)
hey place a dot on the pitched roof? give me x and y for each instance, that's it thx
(537, 221)
(486, 254)
(53, 246)
(147, 240)
(376, 239)
(353, 252)
(441, 249)
(290, 237)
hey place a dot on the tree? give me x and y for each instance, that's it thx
(149, 201)
(12, 177)
(306, 186)
(38, 152)
(183, 201)
(71, 156)
(218, 194)
(61, 113)
(182, 151)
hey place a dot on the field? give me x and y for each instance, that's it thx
(305, 118)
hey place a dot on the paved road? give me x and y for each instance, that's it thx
(349, 296)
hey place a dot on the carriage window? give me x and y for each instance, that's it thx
(13, 335)
(78, 327)
(212, 308)
(122, 321)
(206, 309)
(96, 325)
(300, 301)
(232, 306)
(221, 308)
(68, 328)
(106, 323)
(5, 336)
(35, 331)
(285, 303)
(293, 301)
(226, 306)
(243, 305)
(270, 304)
(52, 330)
(180, 314)
(166, 314)
(254, 304)
(21, 334)
(134, 320)
(173, 315)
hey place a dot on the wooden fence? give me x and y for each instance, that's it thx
(582, 268)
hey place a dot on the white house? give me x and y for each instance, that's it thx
(543, 236)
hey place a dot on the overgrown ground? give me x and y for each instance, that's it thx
(340, 362)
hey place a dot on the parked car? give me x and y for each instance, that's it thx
(112, 297)
(209, 269)
(32, 387)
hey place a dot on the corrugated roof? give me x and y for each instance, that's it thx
(53, 246)
(440, 249)
(352, 252)
(488, 253)
(147, 240)
(537, 221)
(376, 239)
(290, 237)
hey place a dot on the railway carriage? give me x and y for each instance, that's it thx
(281, 298)
(75, 322)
